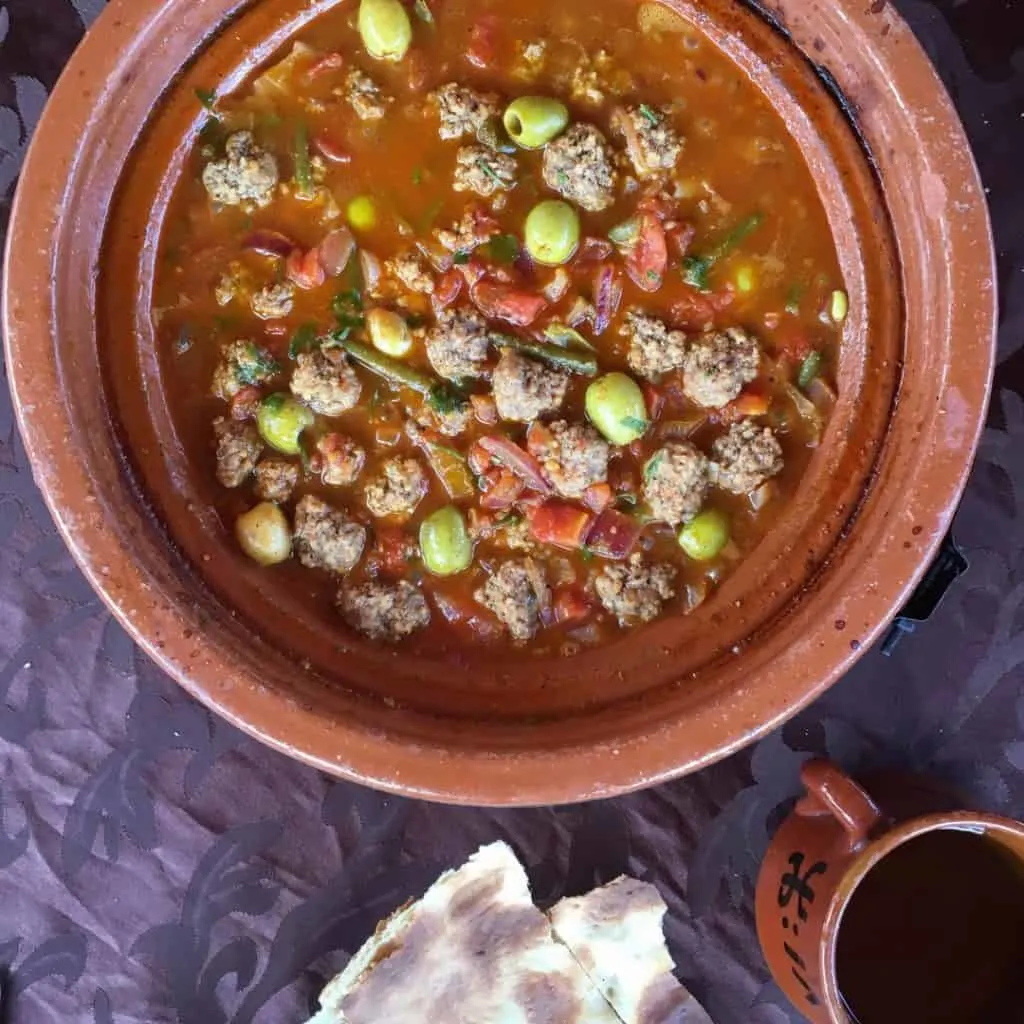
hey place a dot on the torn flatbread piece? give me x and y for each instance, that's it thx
(474, 950)
(615, 935)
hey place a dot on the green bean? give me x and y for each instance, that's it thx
(704, 536)
(445, 542)
(388, 368)
(615, 405)
(809, 368)
(385, 28)
(695, 269)
(583, 363)
(263, 534)
(552, 232)
(533, 121)
(281, 419)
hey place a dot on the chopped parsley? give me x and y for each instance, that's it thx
(461, 257)
(417, 175)
(445, 399)
(503, 248)
(695, 269)
(809, 369)
(626, 500)
(184, 340)
(649, 115)
(303, 340)
(633, 423)
(489, 171)
(207, 97)
(347, 307)
(423, 12)
(793, 297)
(652, 466)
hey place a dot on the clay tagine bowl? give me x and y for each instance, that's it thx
(903, 198)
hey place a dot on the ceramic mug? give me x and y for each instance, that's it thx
(836, 835)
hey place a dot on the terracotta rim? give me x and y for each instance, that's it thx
(864, 591)
(964, 821)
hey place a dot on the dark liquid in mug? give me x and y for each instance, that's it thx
(935, 934)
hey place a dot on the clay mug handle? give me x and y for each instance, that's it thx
(831, 790)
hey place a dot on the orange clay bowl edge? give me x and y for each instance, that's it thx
(876, 501)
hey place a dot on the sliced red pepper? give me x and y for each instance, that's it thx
(654, 399)
(472, 271)
(461, 611)
(597, 497)
(538, 438)
(752, 401)
(506, 303)
(592, 251)
(269, 243)
(508, 454)
(647, 260)
(245, 404)
(502, 491)
(559, 523)
(392, 547)
(305, 269)
(571, 606)
(697, 310)
(447, 289)
(607, 296)
(325, 65)
(485, 409)
(614, 535)
(331, 150)
(481, 49)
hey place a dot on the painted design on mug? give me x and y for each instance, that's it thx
(797, 882)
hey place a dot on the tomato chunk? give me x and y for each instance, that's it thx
(447, 289)
(571, 606)
(559, 523)
(647, 260)
(305, 269)
(507, 303)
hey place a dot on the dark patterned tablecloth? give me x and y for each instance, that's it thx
(156, 865)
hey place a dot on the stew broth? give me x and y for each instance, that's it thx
(745, 244)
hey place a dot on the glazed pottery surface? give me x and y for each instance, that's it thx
(906, 208)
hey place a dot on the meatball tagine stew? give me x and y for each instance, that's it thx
(516, 323)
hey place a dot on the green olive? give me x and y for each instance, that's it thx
(615, 405)
(281, 419)
(445, 543)
(264, 534)
(385, 28)
(533, 121)
(704, 536)
(552, 232)
(389, 332)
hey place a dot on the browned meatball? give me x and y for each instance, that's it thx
(327, 537)
(457, 346)
(276, 479)
(516, 593)
(578, 165)
(242, 364)
(635, 591)
(675, 482)
(525, 389)
(481, 170)
(238, 448)
(745, 457)
(397, 490)
(247, 174)
(574, 457)
(384, 611)
(463, 111)
(718, 364)
(651, 142)
(325, 382)
(341, 460)
(653, 348)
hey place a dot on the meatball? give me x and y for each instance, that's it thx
(247, 174)
(483, 171)
(516, 593)
(276, 479)
(325, 382)
(578, 165)
(238, 448)
(635, 591)
(457, 346)
(525, 389)
(232, 283)
(745, 457)
(475, 228)
(384, 611)
(653, 348)
(573, 457)
(409, 269)
(242, 364)
(363, 93)
(450, 419)
(326, 537)
(463, 111)
(651, 142)
(718, 364)
(675, 482)
(341, 460)
(398, 490)
(273, 302)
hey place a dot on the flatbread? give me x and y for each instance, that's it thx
(474, 950)
(615, 935)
